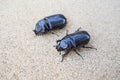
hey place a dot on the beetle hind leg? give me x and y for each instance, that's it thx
(89, 47)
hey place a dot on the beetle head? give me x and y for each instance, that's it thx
(40, 27)
(62, 46)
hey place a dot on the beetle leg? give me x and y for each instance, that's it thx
(66, 52)
(58, 41)
(54, 45)
(66, 32)
(78, 29)
(60, 53)
(34, 30)
(78, 54)
(54, 33)
(89, 47)
(39, 34)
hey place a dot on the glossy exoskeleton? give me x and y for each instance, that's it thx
(72, 41)
(57, 21)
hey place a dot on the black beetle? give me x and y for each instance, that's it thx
(72, 41)
(57, 21)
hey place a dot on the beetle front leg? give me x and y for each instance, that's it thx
(89, 47)
(66, 52)
(78, 54)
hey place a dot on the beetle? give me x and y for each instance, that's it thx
(72, 42)
(47, 24)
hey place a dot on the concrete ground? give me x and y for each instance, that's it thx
(24, 56)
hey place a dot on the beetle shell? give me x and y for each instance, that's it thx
(74, 40)
(57, 21)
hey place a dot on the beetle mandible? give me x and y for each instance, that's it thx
(57, 21)
(72, 41)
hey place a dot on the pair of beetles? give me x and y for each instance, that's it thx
(67, 43)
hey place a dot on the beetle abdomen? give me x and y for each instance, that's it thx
(81, 38)
(77, 39)
(56, 21)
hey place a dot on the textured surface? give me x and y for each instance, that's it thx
(23, 56)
